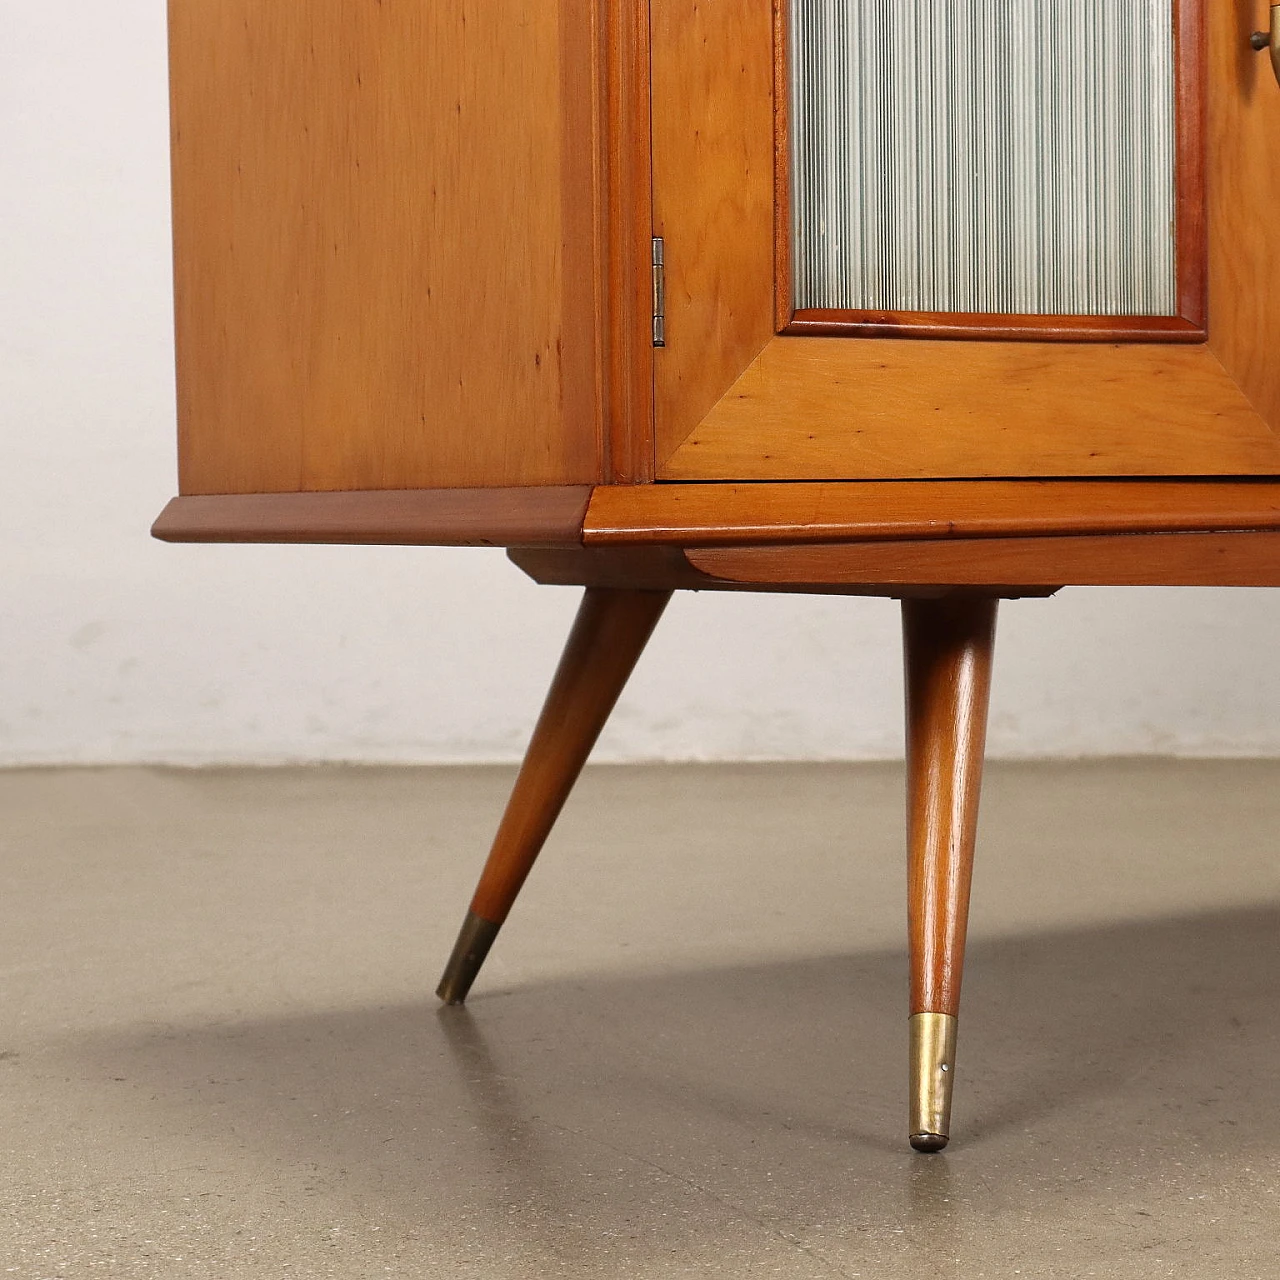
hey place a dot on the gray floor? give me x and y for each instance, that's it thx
(220, 1055)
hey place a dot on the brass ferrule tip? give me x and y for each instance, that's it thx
(474, 940)
(933, 1068)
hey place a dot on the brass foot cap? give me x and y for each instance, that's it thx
(929, 1142)
(933, 1059)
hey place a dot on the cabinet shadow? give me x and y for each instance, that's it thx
(771, 1094)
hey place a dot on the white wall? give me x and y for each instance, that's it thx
(116, 648)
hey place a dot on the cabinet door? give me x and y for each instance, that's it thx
(387, 222)
(964, 239)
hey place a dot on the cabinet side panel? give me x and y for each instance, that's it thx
(386, 224)
(1244, 203)
(713, 180)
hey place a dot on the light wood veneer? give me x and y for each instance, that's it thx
(387, 225)
(889, 408)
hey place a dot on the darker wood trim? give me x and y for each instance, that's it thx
(727, 514)
(544, 516)
(1007, 567)
(1129, 560)
(816, 322)
(1191, 233)
(621, 517)
(669, 569)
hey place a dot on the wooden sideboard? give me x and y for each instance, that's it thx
(525, 275)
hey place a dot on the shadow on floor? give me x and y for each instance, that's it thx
(647, 1114)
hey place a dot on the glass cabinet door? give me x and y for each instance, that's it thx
(983, 157)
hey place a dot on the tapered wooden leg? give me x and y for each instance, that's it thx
(948, 645)
(608, 637)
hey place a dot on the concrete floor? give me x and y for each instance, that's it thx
(220, 1056)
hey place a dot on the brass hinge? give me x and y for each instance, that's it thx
(659, 295)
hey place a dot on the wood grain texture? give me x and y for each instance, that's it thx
(745, 514)
(387, 225)
(608, 637)
(713, 175)
(834, 408)
(1244, 196)
(424, 517)
(664, 568)
(1191, 211)
(624, 568)
(783, 287)
(995, 566)
(1131, 560)
(947, 647)
(628, 282)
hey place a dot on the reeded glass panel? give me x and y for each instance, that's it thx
(983, 156)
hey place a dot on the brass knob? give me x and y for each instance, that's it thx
(1261, 40)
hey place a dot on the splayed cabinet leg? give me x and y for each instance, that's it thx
(608, 637)
(948, 646)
